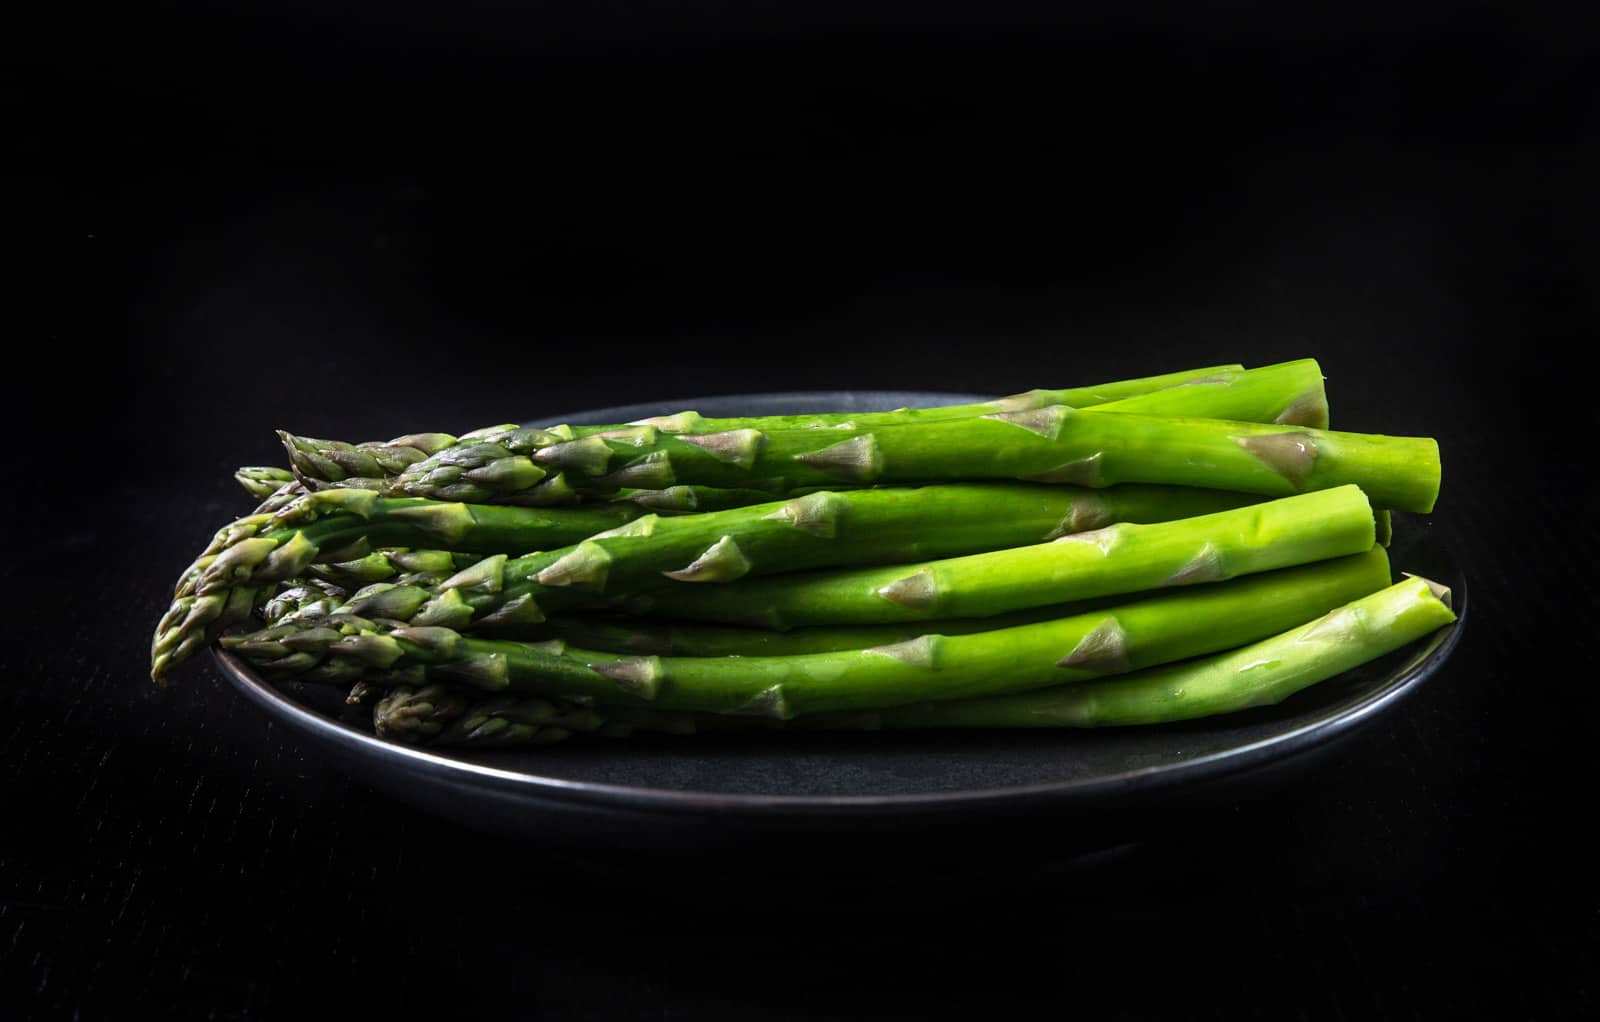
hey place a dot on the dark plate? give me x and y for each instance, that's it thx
(1024, 792)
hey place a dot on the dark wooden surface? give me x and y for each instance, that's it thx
(449, 226)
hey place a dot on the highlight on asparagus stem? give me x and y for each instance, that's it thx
(262, 481)
(223, 585)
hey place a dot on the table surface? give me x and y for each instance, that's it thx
(172, 851)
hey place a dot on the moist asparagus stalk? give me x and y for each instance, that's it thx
(1159, 629)
(237, 569)
(1121, 558)
(368, 464)
(1056, 444)
(1260, 674)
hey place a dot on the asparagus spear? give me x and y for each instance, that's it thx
(670, 638)
(1260, 674)
(303, 600)
(1121, 558)
(394, 564)
(367, 464)
(694, 498)
(236, 570)
(502, 462)
(1054, 444)
(868, 526)
(262, 481)
(1159, 629)
(818, 530)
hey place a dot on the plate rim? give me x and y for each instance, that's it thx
(1335, 722)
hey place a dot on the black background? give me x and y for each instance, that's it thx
(357, 220)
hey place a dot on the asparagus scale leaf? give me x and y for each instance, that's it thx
(1259, 674)
(246, 557)
(470, 468)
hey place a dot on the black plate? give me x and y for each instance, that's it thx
(1059, 790)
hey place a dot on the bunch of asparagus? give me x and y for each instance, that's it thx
(1143, 551)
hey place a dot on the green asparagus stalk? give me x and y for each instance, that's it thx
(508, 463)
(670, 638)
(1287, 394)
(1261, 674)
(1154, 630)
(1056, 444)
(368, 464)
(819, 530)
(1122, 558)
(236, 571)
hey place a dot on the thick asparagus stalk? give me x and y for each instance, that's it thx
(443, 714)
(818, 530)
(368, 464)
(1288, 394)
(1122, 558)
(1054, 444)
(237, 569)
(1159, 629)
(1259, 674)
